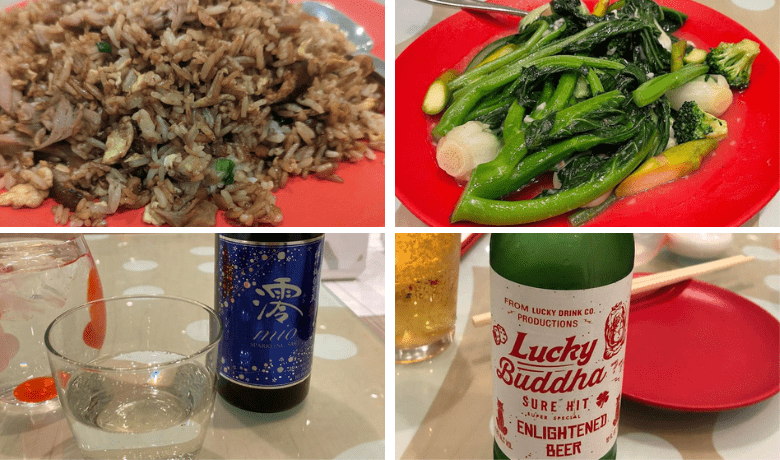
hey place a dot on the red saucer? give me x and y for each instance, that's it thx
(697, 347)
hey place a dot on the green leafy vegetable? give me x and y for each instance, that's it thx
(576, 172)
(620, 165)
(224, 169)
(588, 115)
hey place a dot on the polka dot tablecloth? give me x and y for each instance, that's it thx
(443, 407)
(343, 416)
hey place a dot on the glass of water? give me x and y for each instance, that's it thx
(139, 381)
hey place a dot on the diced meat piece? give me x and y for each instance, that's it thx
(63, 190)
(289, 24)
(12, 142)
(294, 81)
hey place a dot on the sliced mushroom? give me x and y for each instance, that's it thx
(63, 191)
(118, 142)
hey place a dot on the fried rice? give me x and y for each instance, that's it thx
(179, 107)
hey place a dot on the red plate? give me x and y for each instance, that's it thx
(358, 202)
(732, 185)
(697, 347)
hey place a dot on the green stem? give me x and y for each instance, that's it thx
(560, 98)
(678, 53)
(495, 212)
(651, 90)
(488, 50)
(516, 59)
(476, 73)
(514, 121)
(544, 99)
(489, 104)
(583, 216)
(489, 178)
(596, 87)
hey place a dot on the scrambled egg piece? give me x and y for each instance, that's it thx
(23, 195)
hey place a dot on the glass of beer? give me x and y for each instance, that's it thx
(426, 292)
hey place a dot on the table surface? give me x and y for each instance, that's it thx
(443, 408)
(413, 18)
(347, 378)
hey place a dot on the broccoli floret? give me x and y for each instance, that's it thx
(734, 61)
(692, 123)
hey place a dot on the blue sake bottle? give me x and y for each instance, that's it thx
(266, 295)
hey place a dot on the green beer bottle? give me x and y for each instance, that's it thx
(559, 307)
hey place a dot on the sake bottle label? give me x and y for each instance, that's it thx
(557, 369)
(268, 305)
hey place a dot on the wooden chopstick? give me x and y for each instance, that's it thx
(658, 280)
(470, 241)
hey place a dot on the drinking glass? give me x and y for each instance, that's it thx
(41, 275)
(426, 292)
(140, 381)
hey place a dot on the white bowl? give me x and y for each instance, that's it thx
(699, 245)
(647, 246)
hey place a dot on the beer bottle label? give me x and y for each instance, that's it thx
(268, 305)
(557, 368)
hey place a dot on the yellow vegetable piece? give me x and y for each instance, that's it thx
(671, 165)
(696, 56)
(601, 8)
(436, 98)
(678, 54)
(503, 51)
(438, 95)
(448, 76)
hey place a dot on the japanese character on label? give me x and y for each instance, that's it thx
(280, 291)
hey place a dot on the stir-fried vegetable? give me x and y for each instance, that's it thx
(649, 91)
(692, 123)
(438, 94)
(673, 164)
(465, 147)
(734, 61)
(625, 160)
(585, 93)
(710, 92)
